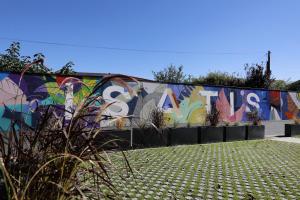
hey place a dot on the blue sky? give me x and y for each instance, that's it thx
(222, 35)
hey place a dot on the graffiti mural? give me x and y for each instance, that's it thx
(20, 98)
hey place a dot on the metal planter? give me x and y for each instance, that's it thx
(292, 130)
(234, 133)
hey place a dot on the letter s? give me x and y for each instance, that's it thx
(122, 107)
(252, 103)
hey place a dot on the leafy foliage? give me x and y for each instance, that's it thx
(279, 85)
(170, 74)
(12, 61)
(219, 78)
(67, 69)
(257, 77)
(294, 86)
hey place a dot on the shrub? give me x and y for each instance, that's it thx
(295, 86)
(254, 118)
(120, 123)
(212, 118)
(157, 118)
(220, 78)
(226, 123)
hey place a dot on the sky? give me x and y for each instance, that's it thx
(144, 36)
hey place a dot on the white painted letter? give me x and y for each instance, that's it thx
(168, 93)
(231, 103)
(69, 100)
(208, 94)
(122, 107)
(252, 103)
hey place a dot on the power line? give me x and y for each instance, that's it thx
(124, 49)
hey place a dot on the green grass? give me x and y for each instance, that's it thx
(261, 169)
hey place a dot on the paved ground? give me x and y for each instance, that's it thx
(261, 169)
(275, 128)
(287, 139)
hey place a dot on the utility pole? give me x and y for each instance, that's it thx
(268, 69)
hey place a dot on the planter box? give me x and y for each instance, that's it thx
(149, 137)
(233, 133)
(292, 130)
(114, 139)
(209, 134)
(183, 135)
(255, 132)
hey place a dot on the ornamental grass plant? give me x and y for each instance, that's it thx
(61, 158)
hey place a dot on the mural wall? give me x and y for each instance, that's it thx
(21, 98)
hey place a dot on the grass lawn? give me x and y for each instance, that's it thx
(258, 169)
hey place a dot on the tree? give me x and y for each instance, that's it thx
(12, 61)
(220, 78)
(170, 74)
(294, 86)
(67, 69)
(279, 85)
(257, 77)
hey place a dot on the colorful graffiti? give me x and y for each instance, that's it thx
(21, 98)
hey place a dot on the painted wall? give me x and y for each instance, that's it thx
(181, 103)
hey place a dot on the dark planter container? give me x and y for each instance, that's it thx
(150, 137)
(210, 134)
(233, 133)
(255, 132)
(184, 135)
(292, 130)
(114, 139)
